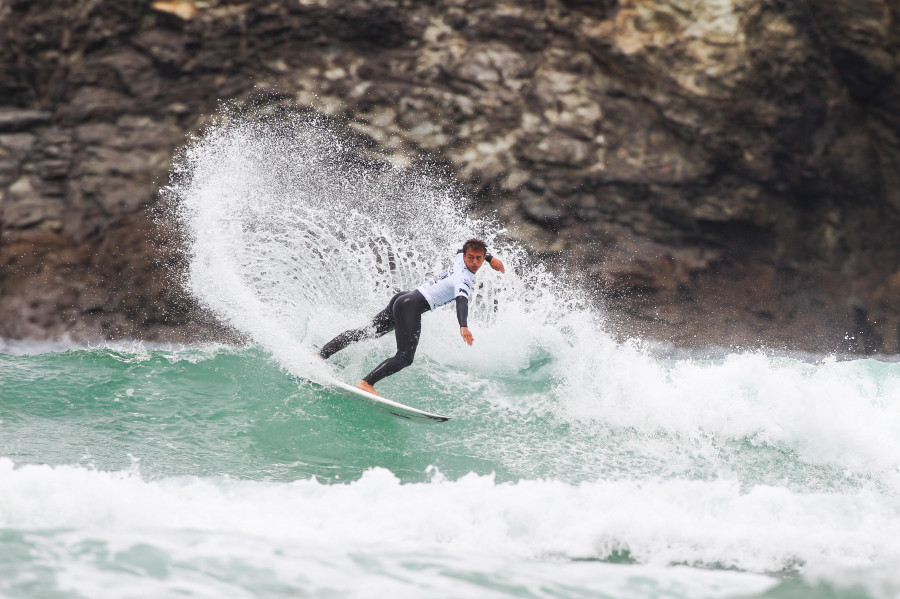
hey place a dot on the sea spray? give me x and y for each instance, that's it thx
(292, 236)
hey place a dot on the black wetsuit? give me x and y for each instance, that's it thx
(403, 315)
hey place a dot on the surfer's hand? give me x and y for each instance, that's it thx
(497, 265)
(466, 335)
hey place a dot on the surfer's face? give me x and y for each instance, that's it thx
(473, 259)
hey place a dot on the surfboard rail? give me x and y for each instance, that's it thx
(380, 403)
(392, 407)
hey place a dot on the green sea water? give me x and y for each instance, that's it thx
(206, 471)
(235, 412)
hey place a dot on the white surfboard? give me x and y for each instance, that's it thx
(382, 403)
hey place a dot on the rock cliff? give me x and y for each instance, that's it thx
(724, 171)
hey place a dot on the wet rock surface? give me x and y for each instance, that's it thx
(723, 171)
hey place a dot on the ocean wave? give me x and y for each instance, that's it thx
(661, 522)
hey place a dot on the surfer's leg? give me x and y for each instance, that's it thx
(408, 311)
(382, 324)
(341, 341)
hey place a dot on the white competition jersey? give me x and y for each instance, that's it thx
(447, 286)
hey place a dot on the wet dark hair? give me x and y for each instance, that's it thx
(475, 244)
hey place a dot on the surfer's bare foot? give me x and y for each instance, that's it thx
(367, 387)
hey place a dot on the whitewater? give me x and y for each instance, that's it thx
(574, 465)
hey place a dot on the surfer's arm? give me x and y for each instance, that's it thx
(495, 263)
(462, 315)
(462, 311)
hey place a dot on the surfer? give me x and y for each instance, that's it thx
(403, 314)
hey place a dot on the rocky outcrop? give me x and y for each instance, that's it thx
(725, 171)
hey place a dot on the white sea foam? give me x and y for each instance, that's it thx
(657, 522)
(131, 351)
(17, 347)
(842, 414)
(159, 563)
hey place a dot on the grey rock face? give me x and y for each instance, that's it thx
(725, 171)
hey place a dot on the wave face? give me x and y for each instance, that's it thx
(573, 466)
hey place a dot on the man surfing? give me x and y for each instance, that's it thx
(403, 313)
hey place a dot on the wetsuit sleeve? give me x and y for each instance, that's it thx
(462, 310)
